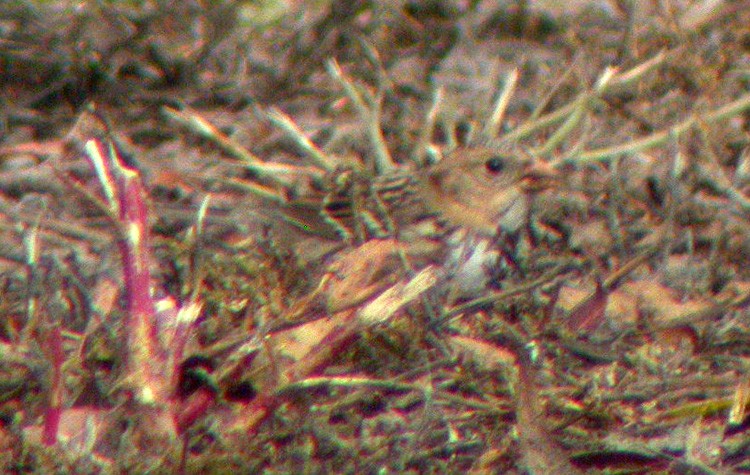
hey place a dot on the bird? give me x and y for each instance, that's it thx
(459, 204)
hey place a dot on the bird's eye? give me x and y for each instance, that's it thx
(495, 164)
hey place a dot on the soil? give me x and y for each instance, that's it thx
(213, 258)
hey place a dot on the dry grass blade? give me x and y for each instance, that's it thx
(368, 107)
(492, 127)
(273, 173)
(719, 114)
(381, 278)
(284, 122)
(623, 80)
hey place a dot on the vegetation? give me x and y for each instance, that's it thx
(215, 257)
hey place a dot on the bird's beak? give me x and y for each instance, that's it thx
(539, 176)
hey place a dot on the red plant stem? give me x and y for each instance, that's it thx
(189, 410)
(125, 197)
(54, 410)
(149, 368)
(146, 358)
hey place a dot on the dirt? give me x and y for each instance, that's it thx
(248, 281)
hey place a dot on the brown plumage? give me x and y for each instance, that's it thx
(479, 188)
(484, 189)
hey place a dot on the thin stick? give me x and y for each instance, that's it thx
(544, 102)
(658, 138)
(582, 106)
(285, 123)
(492, 127)
(617, 82)
(369, 114)
(263, 170)
(429, 125)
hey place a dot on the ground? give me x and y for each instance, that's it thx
(207, 267)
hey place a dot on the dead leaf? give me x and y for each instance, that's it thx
(488, 356)
(360, 273)
(589, 313)
(399, 295)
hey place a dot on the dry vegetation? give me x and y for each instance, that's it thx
(204, 268)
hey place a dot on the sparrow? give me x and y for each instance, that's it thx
(476, 191)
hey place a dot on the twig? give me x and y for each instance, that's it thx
(618, 82)
(31, 246)
(492, 127)
(658, 138)
(505, 294)
(284, 122)
(425, 133)
(545, 100)
(368, 109)
(582, 105)
(264, 171)
(349, 382)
